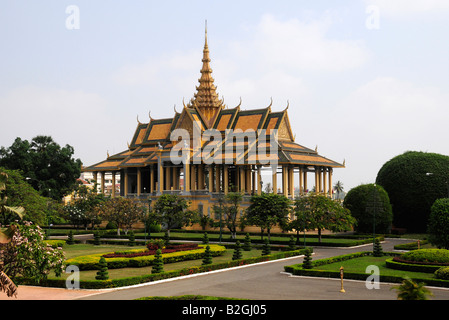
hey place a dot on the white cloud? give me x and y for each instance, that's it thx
(406, 9)
(71, 117)
(295, 44)
(384, 118)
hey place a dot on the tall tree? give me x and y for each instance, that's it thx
(7, 213)
(230, 209)
(50, 169)
(338, 187)
(320, 212)
(123, 211)
(267, 210)
(171, 210)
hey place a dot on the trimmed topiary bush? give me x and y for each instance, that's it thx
(205, 238)
(442, 273)
(438, 228)
(70, 239)
(132, 239)
(291, 244)
(377, 250)
(103, 273)
(266, 249)
(96, 238)
(307, 264)
(427, 256)
(237, 251)
(158, 263)
(364, 201)
(207, 256)
(413, 181)
(247, 243)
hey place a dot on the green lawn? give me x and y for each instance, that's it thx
(360, 264)
(86, 249)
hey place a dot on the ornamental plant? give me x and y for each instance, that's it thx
(247, 243)
(438, 228)
(291, 244)
(207, 257)
(132, 239)
(205, 238)
(413, 181)
(237, 251)
(410, 290)
(158, 264)
(370, 206)
(266, 249)
(307, 264)
(27, 254)
(102, 274)
(70, 238)
(377, 249)
(96, 238)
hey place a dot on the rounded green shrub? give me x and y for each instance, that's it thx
(442, 273)
(365, 201)
(437, 256)
(413, 181)
(438, 228)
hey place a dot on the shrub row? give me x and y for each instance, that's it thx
(298, 270)
(397, 264)
(356, 241)
(55, 243)
(90, 262)
(411, 245)
(152, 252)
(116, 283)
(440, 256)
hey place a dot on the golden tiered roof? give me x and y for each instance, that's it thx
(206, 100)
(207, 111)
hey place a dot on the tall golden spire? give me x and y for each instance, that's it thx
(206, 98)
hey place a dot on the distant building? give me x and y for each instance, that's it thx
(244, 143)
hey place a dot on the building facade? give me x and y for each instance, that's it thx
(208, 150)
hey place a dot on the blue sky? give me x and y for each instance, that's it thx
(366, 80)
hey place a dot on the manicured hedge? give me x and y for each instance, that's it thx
(298, 270)
(436, 256)
(90, 262)
(55, 243)
(410, 246)
(399, 265)
(115, 283)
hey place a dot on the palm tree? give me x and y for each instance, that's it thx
(410, 290)
(338, 187)
(5, 211)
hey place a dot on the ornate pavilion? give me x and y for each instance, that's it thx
(199, 169)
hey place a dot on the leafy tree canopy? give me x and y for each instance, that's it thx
(317, 211)
(18, 193)
(413, 181)
(438, 228)
(171, 211)
(370, 204)
(50, 169)
(267, 210)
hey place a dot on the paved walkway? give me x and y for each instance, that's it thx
(262, 281)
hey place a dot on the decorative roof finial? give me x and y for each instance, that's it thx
(206, 32)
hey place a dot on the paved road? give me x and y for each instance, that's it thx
(266, 281)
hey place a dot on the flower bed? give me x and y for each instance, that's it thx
(90, 262)
(152, 251)
(115, 283)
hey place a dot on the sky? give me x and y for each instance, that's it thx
(366, 80)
